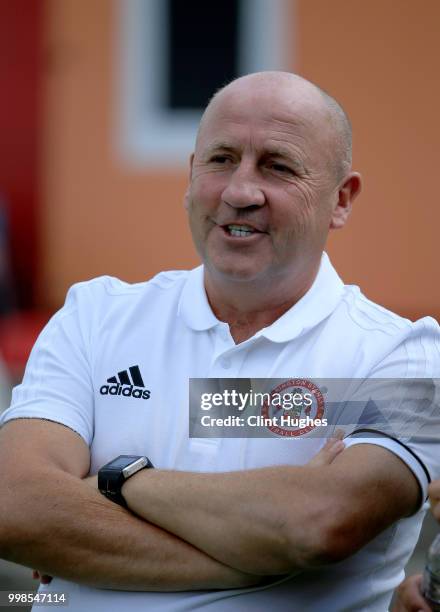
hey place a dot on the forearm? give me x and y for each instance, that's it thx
(282, 519)
(60, 525)
(237, 517)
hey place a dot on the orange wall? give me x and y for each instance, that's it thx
(99, 218)
(380, 59)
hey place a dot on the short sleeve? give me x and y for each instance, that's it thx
(405, 414)
(416, 457)
(57, 383)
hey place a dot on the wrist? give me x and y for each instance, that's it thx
(132, 486)
(113, 475)
(140, 494)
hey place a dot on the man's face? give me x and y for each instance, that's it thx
(262, 187)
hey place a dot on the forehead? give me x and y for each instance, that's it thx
(265, 117)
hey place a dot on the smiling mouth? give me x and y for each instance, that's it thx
(240, 231)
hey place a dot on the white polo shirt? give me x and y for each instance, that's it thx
(151, 338)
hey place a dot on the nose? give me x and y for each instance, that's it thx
(243, 189)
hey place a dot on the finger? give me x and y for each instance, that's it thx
(435, 509)
(332, 448)
(434, 490)
(45, 579)
(434, 498)
(409, 596)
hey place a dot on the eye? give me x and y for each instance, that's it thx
(280, 168)
(220, 159)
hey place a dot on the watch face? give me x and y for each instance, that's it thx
(134, 467)
(122, 461)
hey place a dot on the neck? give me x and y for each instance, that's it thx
(248, 307)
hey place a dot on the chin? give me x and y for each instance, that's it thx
(238, 267)
(236, 273)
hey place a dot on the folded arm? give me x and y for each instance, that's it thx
(52, 520)
(279, 519)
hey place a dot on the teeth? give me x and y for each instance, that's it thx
(240, 230)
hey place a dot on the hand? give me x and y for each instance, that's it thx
(434, 498)
(331, 449)
(409, 597)
(43, 578)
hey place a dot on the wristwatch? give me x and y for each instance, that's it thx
(112, 475)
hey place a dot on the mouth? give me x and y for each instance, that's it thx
(240, 231)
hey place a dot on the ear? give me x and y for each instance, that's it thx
(186, 196)
(347, 192)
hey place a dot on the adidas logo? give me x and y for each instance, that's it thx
(123, 385)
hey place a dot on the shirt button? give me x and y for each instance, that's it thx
(226, 363)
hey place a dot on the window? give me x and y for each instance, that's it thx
(174, 54)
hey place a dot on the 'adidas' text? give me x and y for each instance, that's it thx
(125, 390)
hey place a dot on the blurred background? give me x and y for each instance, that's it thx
(99, 107)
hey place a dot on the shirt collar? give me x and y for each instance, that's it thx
(193, 306)
(316, 305)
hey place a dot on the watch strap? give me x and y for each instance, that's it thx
(111, 479)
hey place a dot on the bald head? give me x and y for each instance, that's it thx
(296, 92)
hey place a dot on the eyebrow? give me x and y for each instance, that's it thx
(280, 151)
(274, 150)
(219, 144)
(271, 151)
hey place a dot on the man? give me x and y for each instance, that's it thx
(222, 524)
(409, 597)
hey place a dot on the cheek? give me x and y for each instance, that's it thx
(309, 208)
(199, 213)
(298, 222)
(206, 190)
(294, 216)
(304, 195)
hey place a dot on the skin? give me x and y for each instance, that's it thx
(300, 518)
(409, 598)
(408, 595)
(58, 523)
(263, 159)
(329, 452)
(434, 498)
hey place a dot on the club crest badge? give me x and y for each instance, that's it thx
(298, 406)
